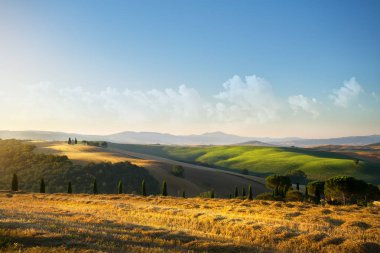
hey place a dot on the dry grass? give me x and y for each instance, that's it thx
(127, 223)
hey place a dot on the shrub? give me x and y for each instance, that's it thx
(265, 196)
(207, 194)
(294, 196)
(345, 189)
(244, 171)
(177, 171)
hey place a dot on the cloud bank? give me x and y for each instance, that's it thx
(345, 94)
(300, 102)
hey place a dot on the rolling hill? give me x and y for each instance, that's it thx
(263, 161)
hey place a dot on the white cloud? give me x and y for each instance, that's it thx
(346, 93)
(248, 100)
(300, 102)
(376, 96)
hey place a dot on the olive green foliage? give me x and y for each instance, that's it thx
(236, 192)
(316, 188)
(183, 194)
(265, 196)
(294, 196)
(344, 189)
(177, 171)
(278, 181)
(297, 176)
(243, 191)
(373, 192)
(18, 157)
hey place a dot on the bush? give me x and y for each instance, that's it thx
(294, 196)
(177, 171)
(265, 196)
(345, 189)
(208, 194)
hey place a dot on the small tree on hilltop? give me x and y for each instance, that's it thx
(42, 186)
(14, 186)
(250, 195)
(69, 188)
(95, 187)
(120, 187)
(164, 189)
(143, 190)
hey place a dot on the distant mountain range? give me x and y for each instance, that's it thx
(214, 138)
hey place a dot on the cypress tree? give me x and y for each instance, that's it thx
(42, 186)
(236, 192)
(143, 190)
(120, 187)
(212, 195)
(243, 192)
(230, 196)
(69, 141)
(250, 195)
(164, 189)
(14, 182)
(95, 187)
(69, 188)
(183, 194)
(75, 141)
(306, 192)
(298, 186)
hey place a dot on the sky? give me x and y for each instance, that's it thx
(253, 68)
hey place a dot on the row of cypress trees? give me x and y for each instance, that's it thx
(164, 190)
(248, 195)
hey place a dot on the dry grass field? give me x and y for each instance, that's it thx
(128, 223)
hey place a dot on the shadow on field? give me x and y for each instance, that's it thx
(106, 236)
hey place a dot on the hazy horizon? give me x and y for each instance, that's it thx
(248, 68)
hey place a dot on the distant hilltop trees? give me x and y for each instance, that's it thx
(101, 144)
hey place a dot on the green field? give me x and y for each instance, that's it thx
(263, 161)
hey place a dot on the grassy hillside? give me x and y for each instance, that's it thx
(127, 223)
(18, 157)
(267, 160)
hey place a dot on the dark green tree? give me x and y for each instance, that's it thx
(120, 187)
(306, 193)
(143, 190)
(69, 141)
(243, 192)
(14, 182)
(297, 176)
(212, 195)
(164, 189)
(95, 187)
(42, 186)
(69, 188)
(250, 195)
(75, 141)
(236, 192)
(298, 187)
(183, 194)
(277, 181)
(343, 188)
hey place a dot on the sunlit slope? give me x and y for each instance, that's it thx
(267, 160)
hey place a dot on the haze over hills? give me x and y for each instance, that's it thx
(214, 138)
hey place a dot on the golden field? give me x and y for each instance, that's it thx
(129, 223)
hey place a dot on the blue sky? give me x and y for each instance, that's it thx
(181, 66)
